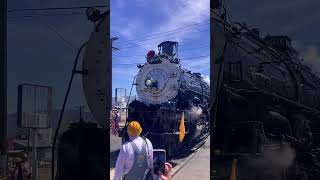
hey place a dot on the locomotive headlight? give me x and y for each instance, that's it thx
(148, 82)
(151, 83)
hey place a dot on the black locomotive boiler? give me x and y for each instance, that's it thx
(165, 91)
(266, 106)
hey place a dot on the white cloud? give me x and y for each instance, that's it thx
(124, 72)
(187, 13)
(132, 27)
(198, 64)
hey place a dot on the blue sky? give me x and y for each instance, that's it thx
(36, 53)
(141, 25)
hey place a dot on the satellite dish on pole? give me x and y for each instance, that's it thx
(97, 81)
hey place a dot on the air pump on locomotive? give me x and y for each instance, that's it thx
(165, 90)
(266, 103)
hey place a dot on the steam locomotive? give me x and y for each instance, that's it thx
(165, 91)
(265, 105)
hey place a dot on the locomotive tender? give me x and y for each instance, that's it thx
(266, 106)
(165, 90)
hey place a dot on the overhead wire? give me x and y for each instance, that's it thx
(55, 8)
(61, 37)
(45, 15)
(165, 37)
(183, 50)
(170, 31)
(158, 38)
(135, 63)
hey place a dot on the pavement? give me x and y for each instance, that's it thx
(115, 142)
(198, 166)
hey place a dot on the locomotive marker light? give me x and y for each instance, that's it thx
(151, 54)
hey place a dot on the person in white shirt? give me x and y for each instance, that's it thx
(135, 159)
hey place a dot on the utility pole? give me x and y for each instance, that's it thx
(3, 88)
(34, 153)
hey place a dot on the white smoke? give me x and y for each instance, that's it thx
(195, 111)
(206, 79)
(283, 158)
(273, 161)
(311, 58)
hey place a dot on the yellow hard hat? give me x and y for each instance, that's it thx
(134, 129)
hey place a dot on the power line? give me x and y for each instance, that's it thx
(170, 31)
(183, 50)
(137, 44)
(61, 37)
(55, 8)
(45, 15)
(195, 48)
(165, 36)
(194, 57)
(197, 57)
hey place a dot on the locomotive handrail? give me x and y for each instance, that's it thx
(298, 105)
(245, 122)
